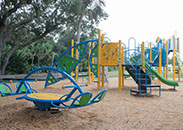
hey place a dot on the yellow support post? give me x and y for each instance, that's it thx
(92, 63)
(72, 54)
(99, 48)
(102, 66)
(76, 73)
(89, 67)
(150, 52)
(173, 57)
(119, 68)
(123, 69)
(159, 63)
(164, 74)
(142, 56)
(179, 53)
(102, 76)
(166, 59)
(163, 65)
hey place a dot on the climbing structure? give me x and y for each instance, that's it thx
(68, 63)
(138, 61)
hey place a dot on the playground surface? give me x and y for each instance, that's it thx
(118, 110)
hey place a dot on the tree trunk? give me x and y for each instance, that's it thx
(79, 27)
(6, 59)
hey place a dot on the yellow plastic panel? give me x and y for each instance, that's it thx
(45, 96)
(109, 54)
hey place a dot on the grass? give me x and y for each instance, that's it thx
(114, 73)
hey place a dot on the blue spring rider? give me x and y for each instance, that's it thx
(45, 101)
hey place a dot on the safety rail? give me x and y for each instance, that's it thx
(145, 69)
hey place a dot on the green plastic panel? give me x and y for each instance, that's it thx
(81, 48)
(83, 100)
(51, 79)
(3, 88)
(68, 63)
(23, 88)
(95, 68)
(95, 52)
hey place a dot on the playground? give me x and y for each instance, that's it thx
(118, 110)
(146, 99)
(71, 65)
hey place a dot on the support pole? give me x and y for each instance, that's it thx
(123, 69)
(102, 66)
(150, 52)
(166, 59)
(92, 63)
(173, 57)
(72, 54)
(179, 54)
(159, 63)
(102, 76)
(89, 67)
(164, 62)
(119, 68)
(99, 48)
(142, 56)
(76, 73)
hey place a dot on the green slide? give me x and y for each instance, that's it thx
(165, 81)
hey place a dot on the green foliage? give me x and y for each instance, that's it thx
(18, 63)
(28, 28)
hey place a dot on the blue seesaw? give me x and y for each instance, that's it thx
(23, 87)
(45, 101)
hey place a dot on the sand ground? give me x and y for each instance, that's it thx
(118, 110)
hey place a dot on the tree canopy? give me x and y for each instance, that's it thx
(32, 22)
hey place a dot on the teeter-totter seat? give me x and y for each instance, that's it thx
(4, 89)
(99, 97)
(23, 87)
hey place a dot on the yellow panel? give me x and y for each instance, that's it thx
(45, 96)
(109, 54)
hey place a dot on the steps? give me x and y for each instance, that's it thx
(142, 80)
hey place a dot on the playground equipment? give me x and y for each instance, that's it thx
(149, 57)
(68, 62)
(22, 88)
(137, 61)
(47, 100)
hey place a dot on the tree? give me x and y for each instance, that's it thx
(87, 15)
(23, 22)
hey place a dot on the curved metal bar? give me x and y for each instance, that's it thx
(60, 71)
(90, 57)
(98, 95)
(7, 86)
(141, 54)
(65, 106)
(69, 49)
(107, 39)
(75, 99)
(131, 38)
(63, 96)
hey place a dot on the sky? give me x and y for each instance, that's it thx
(143, 19)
